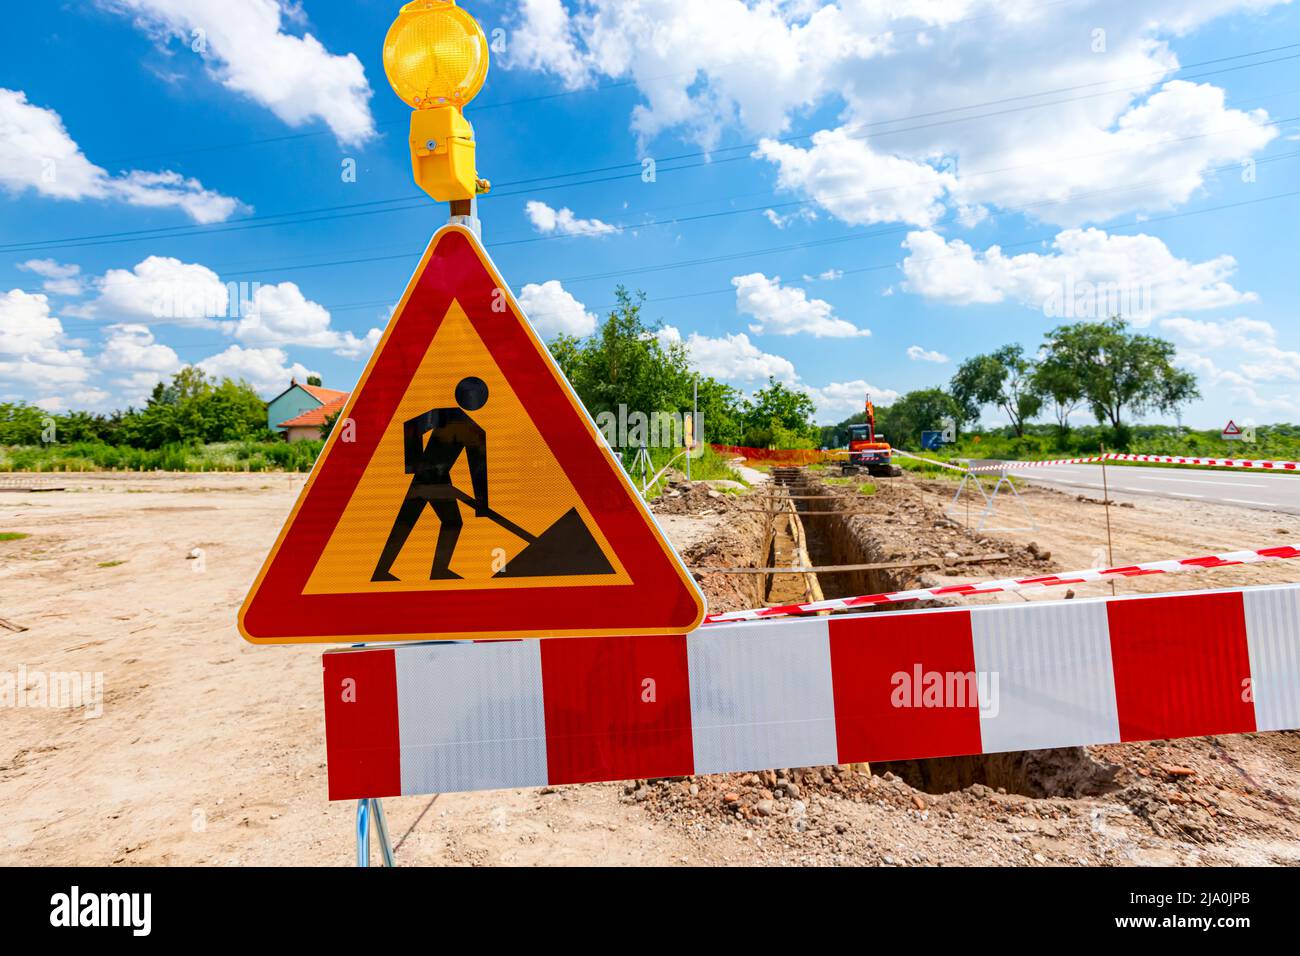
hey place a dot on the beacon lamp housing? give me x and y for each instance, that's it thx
(443, 154)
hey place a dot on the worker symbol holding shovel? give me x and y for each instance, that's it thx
(451, 431)
(565, 548)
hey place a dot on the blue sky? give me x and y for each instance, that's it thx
(843, 198)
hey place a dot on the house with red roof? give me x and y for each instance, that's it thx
(298, 412)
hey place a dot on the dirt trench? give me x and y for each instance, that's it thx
(880, 536)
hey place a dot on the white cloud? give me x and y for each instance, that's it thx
(1089, 274)
(1252, 342)
(734, 358)
(563, 222)
(702, 68)
(133, 348)
(162, 289)
(553, 310)
(541, 41)
(803, 214)
(731, 357)
(918, 354)
(282, 315)
(59, 279)
(137, 360)
(33, 348)
(1165, 146)
(37, 153)
(785, 310)
(248, 52)
(90, 398)
(1219, 334)
(1241, 386)
(857, 185)
(698, 65)
(267, 370)
(838, 400)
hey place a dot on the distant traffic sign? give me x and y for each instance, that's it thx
(1231, 432)
(932, 441)
(465, 493)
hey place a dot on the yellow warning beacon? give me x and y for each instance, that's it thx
(436, 58)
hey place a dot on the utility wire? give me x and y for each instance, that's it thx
(350, 210)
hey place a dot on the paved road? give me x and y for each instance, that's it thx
(1231, 486)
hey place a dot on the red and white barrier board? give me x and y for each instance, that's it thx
(433, 718)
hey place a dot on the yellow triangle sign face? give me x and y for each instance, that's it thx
(517, 470)
(465, 493)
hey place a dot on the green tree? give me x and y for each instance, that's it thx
(1055, 379)
(1004, 378)
(330, 421)
(926, 409)
(627, 362)
(720, 407)
(22, 424)
(196, 408)
(780, 417)
(1121, 372)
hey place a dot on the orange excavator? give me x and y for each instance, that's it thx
(869, 451)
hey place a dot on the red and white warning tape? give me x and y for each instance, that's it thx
(1178, 566)
(1037, 464)
(436, 718)
(930, 461)
(1161, 459)
(1217, 462)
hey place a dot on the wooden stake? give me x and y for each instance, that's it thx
(1105, 495)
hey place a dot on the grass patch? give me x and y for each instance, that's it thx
(710, 466)
(247, 456)
(12, 536)
(109, 564)
(863, 488)
(1040, 442)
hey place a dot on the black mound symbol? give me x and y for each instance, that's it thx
(565, 548)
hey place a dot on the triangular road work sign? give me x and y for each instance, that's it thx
(1231, 430)
(465, 493)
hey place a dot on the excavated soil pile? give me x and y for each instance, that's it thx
(692, 498)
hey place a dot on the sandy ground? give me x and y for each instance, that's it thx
(210, 750)
(1142, 528)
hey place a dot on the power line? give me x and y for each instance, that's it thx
(1136, 224)
(502, 104)
(845, 238)
(416, 201)
(791, 247)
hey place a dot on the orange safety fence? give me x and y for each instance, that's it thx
(794, 456)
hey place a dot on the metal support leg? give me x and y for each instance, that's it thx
(366, 810)
(991, 507)
(381, 825)
(363, 832)
(971, 478)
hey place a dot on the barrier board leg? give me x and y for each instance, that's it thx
(367, 810)
(363, 832)
(381, 827)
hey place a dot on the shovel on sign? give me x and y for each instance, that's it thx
(565, 548)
